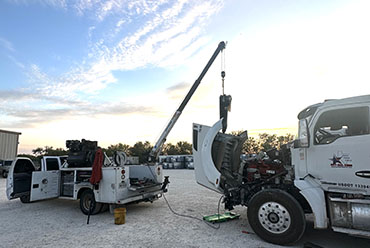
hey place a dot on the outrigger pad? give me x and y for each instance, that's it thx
(216, 218)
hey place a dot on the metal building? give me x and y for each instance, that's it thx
(8, 144)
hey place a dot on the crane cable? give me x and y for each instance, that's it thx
(214, 226)
(223, 74)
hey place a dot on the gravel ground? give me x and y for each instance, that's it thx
(60, 223)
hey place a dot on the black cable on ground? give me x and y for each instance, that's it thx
(196, 218)
(188, 216)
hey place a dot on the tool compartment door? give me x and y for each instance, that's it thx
(45, 185)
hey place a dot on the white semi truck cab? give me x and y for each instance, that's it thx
(326, 172)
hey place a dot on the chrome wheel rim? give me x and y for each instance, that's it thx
(274, 217)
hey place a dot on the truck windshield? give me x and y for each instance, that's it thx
(8, 163)
(308, 112)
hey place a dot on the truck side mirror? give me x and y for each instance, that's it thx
(296, 143)
(303, 135)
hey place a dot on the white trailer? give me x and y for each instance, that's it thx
(326, 172)
(120, 184)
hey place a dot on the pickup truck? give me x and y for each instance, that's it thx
(4, 167)
(120, 183)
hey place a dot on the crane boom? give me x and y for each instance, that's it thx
(154, 153)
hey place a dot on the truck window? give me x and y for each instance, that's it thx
(52, 164)
(62, 159)
(334, 124)
(23, 166)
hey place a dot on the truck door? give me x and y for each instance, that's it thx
(338, 155)
(19, 178)
(46, 183)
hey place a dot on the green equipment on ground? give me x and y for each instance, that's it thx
(216, 218)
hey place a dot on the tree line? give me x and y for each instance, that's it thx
(263, 142)
(139, 149)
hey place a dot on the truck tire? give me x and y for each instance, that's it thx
(86, 198)
(25, 198)
(276, 217)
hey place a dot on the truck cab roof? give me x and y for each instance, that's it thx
(310, 110)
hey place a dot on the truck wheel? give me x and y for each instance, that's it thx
(25, 198)
(276, 217)
(87, 198)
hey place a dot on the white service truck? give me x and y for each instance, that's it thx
(326, 172)
(120, 183)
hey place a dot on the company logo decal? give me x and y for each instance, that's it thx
(341, 160)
